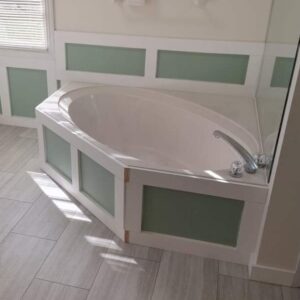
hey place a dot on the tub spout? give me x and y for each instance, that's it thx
(250, 163)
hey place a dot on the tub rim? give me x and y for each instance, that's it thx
(51, 108)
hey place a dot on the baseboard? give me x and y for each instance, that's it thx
(296, 281)
(189, 246)
(272, 275)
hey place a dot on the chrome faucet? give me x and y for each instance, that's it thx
(250, 163)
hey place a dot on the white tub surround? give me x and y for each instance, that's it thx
(126, 60)
(132, 156)
(165, 64)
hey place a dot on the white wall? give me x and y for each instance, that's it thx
(279, 249)
(285, 22)
(236, 20)
(280, 244)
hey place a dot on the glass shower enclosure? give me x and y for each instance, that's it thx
(276, 73)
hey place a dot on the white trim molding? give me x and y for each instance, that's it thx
(252, 196)
(45, 54)
(152, 45)
(296, 280)
(32, 63)
(272, 275)
(67, 131)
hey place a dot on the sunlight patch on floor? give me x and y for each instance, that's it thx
(100, 242)
(118, 258)
(59, 197)
(48, 186)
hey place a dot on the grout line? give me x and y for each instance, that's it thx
(134, 257)
(37, 271)
(55, 243)
(233, 276)
(7, 173)
(33, 236)
(218, 288)
(155, 281)
(18, 200)
(63, 231)
(248, 280)
(240, 278)
(5, 238)
(11, 230)
(26, 213)
(282, 295)
(64, 284)
(97, 272)
(218, 277)
(228, 273)
(30, 235)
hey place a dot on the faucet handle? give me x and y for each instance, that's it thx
(236, 169)
(260, 160)
(263, 160)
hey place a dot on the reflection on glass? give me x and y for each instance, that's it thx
(277, 69)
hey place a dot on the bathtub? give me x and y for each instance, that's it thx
(147, 165)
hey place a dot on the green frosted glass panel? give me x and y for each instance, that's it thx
(58, 84)
(191, 215)
(0, 107)
(97, 183)
(282, 72)
(58, 153)
(27, 89)
(103, 59)
(224, 68)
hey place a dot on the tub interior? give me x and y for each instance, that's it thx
(147, 129)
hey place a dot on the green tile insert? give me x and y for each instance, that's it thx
(97, 183)
(223, 68)
(58, 153)
(27, 89)
(190, 215)
(58, 84)
(282, 72)
(103, 59)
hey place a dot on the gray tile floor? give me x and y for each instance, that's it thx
(52, 248)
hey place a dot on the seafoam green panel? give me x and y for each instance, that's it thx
(97, 183)
(58, 84)
(58, 153)
(191, 215)
(103, 59)
(27, 89)
(223, 68)
(282, 72)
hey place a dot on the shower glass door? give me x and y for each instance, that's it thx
(276, 72)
